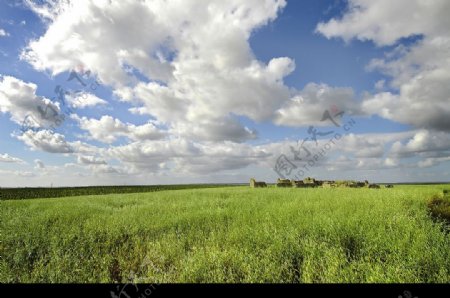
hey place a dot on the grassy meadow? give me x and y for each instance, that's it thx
(228, 234)
(50, 192)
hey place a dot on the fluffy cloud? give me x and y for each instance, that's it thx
(420, 72)
(421, 75)
(195, 79)
(46, 140)
(3, 33)
(91, 160)
(389, 150)
(202, 97)
(19, 99)
(170, 64)
(385, 21)
(10, 159)
(214, 130)
(106, 169)
(151, 155)
(423, 143)
(107, 129)
(309, 105)
(186, 156)
(52, 142)
(26, 174)
(39, 164)
(222, 157)
(363, 146)
(85, 100)
(432, 161)
(187, 26)
(372, 145)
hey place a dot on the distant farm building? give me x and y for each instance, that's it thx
(254, 183)
(311, 182)
(297, 183)
(284, 183)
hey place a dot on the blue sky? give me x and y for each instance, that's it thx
(217, 92)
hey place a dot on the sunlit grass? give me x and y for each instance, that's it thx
(234, 234)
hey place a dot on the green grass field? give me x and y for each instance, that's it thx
(47, 192)
(228, 234)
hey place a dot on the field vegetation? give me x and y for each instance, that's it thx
(58, 192)
(228, 234)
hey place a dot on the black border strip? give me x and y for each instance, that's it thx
(246, 290)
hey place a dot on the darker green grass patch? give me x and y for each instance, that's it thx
(58, 192)
(440, 208)
(352, 247)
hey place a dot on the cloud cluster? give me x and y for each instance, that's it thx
(107, 129)
(91, 160)
(420, 72)
(169, 61)
(84, 100)
(183, 156)
(425, 143)
(19, 99)
(385, 21)
(3, 33)
(39, 164)
(47, 141)
(187, 66)
(309, 105)
(53, 142)
(10, 159)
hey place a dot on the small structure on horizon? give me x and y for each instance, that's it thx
(297, 183)
(254, 183)
(284, 183)
(311, 182)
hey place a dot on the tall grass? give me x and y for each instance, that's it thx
(233, 234)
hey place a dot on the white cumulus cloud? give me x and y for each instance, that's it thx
(420, 72)
(107, 129)
(10, 159)
(19, 99)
